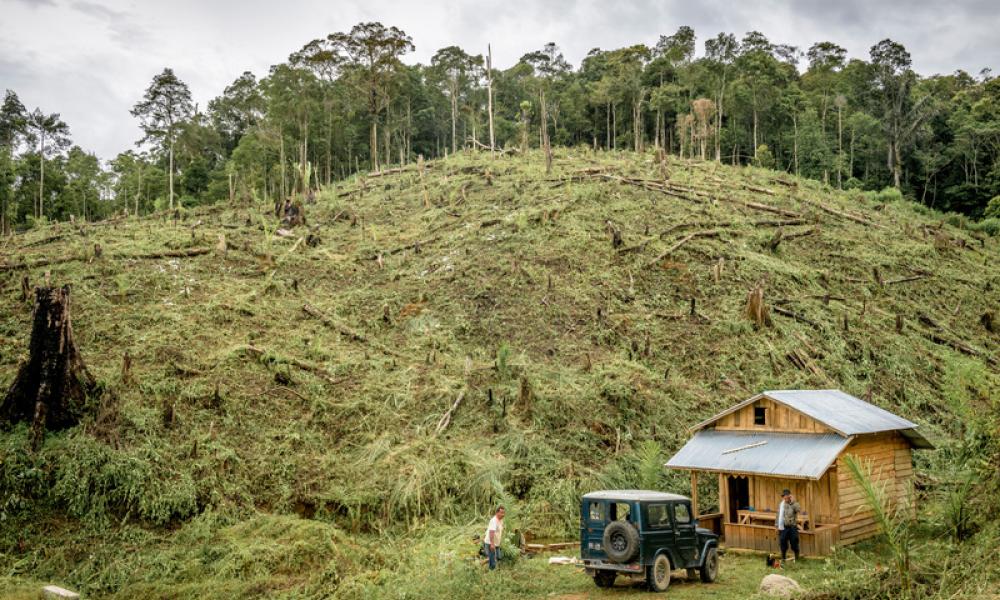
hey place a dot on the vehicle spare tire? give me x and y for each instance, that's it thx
(621, 541)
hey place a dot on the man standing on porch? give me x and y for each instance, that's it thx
(788, 524)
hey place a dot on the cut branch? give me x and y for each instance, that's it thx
(346, 331)
(686, 239)
(446, 418)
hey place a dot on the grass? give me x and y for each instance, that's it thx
(574, 359)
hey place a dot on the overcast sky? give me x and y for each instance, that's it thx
(91, 60)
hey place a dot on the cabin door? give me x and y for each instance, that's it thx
(739, 495)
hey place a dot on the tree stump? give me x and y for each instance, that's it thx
(52, 387)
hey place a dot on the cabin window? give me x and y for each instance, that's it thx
(659, 518)
(759, 415)
(596, 511)
(682, 514)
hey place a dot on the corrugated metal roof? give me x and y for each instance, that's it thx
(795, 455)
(840, 411)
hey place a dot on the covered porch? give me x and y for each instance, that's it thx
(750, 489)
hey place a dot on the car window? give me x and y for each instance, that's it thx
(596, 511)
(659, 518)
(620, 511)
(682, 513)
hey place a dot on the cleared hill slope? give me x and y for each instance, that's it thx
(287, 398)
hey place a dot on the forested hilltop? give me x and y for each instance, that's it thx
(347, 103)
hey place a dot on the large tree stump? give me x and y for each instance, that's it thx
(52, 387)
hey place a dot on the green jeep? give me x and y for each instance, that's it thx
(644, 534)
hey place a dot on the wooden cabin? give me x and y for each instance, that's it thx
(797, 439)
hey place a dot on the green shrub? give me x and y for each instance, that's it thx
(989, 226)
(764, 158)
(993, 208)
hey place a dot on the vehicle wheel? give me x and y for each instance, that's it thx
(692, 574)
(658, 574)
(605, 579)
(621, 541)
(710, 570)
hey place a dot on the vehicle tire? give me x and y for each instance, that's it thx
(658, 574)
(621, 541)
(710, 568)
(605, 579)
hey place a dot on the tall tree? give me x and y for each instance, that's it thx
(13, 126)
(162, 110)
(548, 65)
(372, 51)
(720, 54)
(900, 115)
(453, 67)
(46, 128)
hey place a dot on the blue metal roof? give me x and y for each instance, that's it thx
(793, 455)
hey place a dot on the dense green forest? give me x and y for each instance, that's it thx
(348, 103)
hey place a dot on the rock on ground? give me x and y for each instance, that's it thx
(779, 585)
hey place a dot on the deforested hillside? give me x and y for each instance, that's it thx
(327, 409)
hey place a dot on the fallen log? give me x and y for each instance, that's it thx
(414, 245)
(65, 259)
(794, 315)
(844, 215)
(686, 239)
(446, 417)
(346, 331)
(320, 372)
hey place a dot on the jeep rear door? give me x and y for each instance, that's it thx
(685, 538)
(592, 528)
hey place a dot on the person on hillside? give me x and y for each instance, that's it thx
(494, 533)
(788, 524)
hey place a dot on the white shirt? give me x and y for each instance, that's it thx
(496, 525)
(781, 515)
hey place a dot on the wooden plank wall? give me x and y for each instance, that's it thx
(760, 538)
(818, 498)
(892, 465)
(778, 418)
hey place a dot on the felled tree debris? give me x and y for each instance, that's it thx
(756, 310)
(52, 387)
(292, 214)
(986, 320)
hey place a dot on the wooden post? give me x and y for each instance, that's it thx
(724, 498)
(694, 494)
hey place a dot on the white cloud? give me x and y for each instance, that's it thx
(91, 60)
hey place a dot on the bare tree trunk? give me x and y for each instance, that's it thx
(607, 127)
(795, 142)
(281, 160)
(171, 167)
(489, 95)
(454, 119)
(840, 147)
(614, 126)
(373, 141)
(41, 178)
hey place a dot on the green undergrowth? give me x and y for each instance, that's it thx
(256, 450)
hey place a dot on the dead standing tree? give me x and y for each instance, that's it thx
(51, 388)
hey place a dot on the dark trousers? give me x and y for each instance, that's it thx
(789, 536)
(494, 556)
